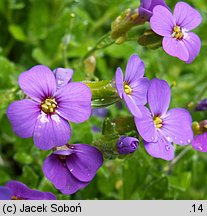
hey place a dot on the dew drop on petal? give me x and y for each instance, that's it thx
(189, 141)
(181, 142)
(167, 147)
(200, 148)
(169, 139)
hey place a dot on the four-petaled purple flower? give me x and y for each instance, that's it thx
(146, 7)
(160, 127)
(45, 113)
(127, 145)
(132, 88)
(178, 41)
(73, 167)
(15, 190)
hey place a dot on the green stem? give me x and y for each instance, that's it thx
(202, 93)
(177, 158)
(103, 42)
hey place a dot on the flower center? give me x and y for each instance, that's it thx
(157, 121)
(127, 89)
(16, 198)
(49, 105)
(62, 157)
(177, 32)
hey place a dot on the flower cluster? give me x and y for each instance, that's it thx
(53, 100)
(157, 126)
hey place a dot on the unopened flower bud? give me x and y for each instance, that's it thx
(126, 145)
(123, 23)
(202, 105)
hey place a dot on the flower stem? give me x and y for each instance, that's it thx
(103, 42)
(177, 158)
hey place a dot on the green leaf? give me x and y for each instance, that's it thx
(120, 125)
(103, 93)
(47, 186)
(39, 55)
(23, 157)
(157, 188)
(182, 183)
(17, 33)
(29, 177)
(150, 40)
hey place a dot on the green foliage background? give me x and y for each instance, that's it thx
(58, 33)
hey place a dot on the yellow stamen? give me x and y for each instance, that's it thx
(127, 89)
(49, 105)
(177, 33)
(157, 122)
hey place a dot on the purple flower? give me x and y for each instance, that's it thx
(202, 105)
(73, 167)
(146, 7)
(177, 40)
(126, 145)
(15, 190)
(160, 127)
(200, 142)
(45, 114)
(132, 88)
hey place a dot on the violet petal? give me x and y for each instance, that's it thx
(51, 131)
(139, 92)
(64, 152)
(57, 172)
(193, 45)
(160, 149)
(158, 96)
(85, 162)
(200, 142)
(132, 106)
(63, 76)
(22, 191)
(74, 102)
(119, 82)
(177, 126)
(5, 193)
(186, 16)
(175, 48)
(134, 70)
(38, 83)
(23, 116)
(145, 125)
(162, 21)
